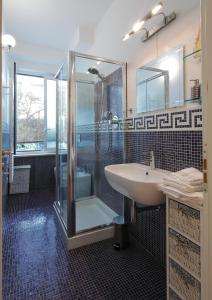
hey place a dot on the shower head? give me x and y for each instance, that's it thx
(94, 71)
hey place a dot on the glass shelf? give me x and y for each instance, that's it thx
(189, 55)
(193, 100)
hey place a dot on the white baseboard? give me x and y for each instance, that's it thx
(90, 237)
(86, 238)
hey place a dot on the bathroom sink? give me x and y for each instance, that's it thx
(137, 182)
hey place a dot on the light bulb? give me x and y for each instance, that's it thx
(8, 41)
(157, 8)
(137, 26)
(126, 37)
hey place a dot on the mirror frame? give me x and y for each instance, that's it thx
(148, 66)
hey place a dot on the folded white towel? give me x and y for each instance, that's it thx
(195, 198)
(182, 185)
(190, 176)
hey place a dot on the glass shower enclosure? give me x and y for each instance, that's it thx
(91, 104)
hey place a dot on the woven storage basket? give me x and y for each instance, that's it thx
(173, 295)
(185, 252)
(21, 180)
(185, 218)
(183, 282)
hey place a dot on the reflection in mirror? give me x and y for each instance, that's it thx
(160, 83)
(152, 89)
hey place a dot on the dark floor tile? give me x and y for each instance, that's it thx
(37, 265)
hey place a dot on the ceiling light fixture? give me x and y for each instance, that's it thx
(126, 37)
(138, 26)
(157, 8)
(158, 27)
(8, 41)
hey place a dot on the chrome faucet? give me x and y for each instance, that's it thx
(152, 160)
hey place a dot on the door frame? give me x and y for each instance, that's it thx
(206, 25)
(1, 17)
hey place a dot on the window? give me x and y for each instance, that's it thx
(51, 114)
(35, 113)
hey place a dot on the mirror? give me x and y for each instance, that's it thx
(160, 83)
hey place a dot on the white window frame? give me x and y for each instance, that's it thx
(46, 150)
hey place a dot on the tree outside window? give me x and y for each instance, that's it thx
(34, 108)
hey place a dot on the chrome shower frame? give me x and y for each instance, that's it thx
(71, 159)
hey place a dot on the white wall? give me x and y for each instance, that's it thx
(37, 59)
(181, 32)
(118, 20)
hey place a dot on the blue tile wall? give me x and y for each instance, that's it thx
(95, 150)
(173, 150)
(150, 231)
(176, 139)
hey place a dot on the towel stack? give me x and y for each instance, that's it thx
(185, 185)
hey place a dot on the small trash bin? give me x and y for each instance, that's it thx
(121, 238)
(21, 179)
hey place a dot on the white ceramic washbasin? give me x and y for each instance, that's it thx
(137, 182)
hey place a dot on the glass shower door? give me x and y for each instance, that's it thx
(99, 105)
(90, 108)
(62, 144)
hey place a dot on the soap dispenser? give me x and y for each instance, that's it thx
(195, 89)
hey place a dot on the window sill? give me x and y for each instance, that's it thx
(30, 154)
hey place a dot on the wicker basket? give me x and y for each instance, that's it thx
(185, 252)
(183, 282)
(21, 180)
(173, 295)
(185, 218)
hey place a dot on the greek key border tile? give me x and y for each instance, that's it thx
(190, 119)
(174, 120)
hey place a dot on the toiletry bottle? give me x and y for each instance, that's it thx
(195, 89)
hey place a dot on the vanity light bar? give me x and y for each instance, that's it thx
(152, 31)
(138, 26)
(156, 9)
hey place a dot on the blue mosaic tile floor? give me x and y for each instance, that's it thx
(37, 265)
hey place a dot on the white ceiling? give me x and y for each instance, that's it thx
(46, 29)
(51, 23)
(60, 24)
